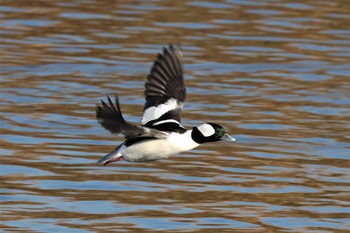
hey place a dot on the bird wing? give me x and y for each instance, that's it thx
(165, 92)
(110, 117)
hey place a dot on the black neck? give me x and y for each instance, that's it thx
(197, 136)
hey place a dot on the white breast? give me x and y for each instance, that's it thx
(158, 149)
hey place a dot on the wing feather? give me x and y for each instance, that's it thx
(110, 117)
(164, 90)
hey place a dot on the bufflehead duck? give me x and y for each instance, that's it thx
(160, 134)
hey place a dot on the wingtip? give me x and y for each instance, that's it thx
(174, 47)
(171, 47)
(110, 102)
(108, 98)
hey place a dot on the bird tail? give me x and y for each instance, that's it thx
(114, 156)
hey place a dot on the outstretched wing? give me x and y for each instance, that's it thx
(165, 92)
(110, 117)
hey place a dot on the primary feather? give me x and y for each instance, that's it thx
(110, 117)
(165, 91)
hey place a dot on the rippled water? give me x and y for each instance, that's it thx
(274, 73)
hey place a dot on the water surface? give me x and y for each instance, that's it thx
(274, 73)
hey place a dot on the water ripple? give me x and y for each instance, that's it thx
(275, 74)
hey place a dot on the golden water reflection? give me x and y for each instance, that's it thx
(274, 73)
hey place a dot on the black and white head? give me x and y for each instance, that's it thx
(210, 132)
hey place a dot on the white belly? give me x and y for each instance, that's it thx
(159, 149)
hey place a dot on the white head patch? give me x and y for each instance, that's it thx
(206, 129)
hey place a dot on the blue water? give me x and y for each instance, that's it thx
(275, 74)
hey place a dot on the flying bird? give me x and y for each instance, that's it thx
(160, 134)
